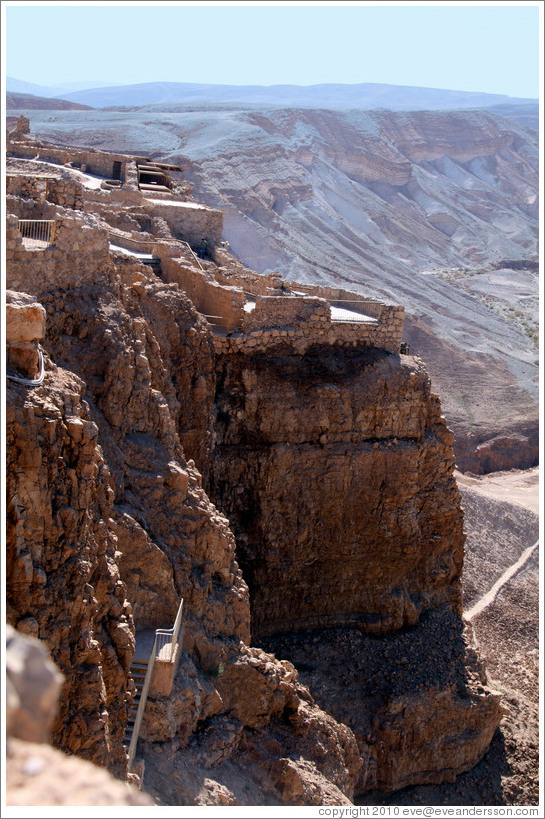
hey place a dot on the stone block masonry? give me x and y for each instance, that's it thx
(100, 163)
(80, 252)
(58, 190)
(189, 221)
(302, 322)
(224, 304)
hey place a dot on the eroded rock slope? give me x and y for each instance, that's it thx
(330, 470)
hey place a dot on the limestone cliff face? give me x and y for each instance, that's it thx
(109, 526)
(148, 446)
(63, 584)
(146, 360)
(336, 472)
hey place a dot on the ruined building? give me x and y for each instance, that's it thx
(203, 462)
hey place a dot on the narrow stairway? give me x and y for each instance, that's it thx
(154, 262)
(138, 671)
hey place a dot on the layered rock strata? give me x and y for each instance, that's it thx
(336, 472)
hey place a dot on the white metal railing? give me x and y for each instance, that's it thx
(129, 243)
(163, 637)
(366, 307)
(31, 382)
(141, 706)
(142, 245)
(38, 230)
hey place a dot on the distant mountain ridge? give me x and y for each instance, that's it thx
(326, 95)
(16, 101)
(15, 86)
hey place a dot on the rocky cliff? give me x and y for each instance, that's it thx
(106, 538)
(272, 490)
(413, 206)
(335, 470)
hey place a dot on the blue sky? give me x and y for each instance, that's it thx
(463, 46)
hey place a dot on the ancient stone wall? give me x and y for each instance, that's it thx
(225, 304)
(79, 253)
(65, 192)
(303, 322)
(189, 221)
(33, 187)
(285, 311)
(60, 191)
(100, 163)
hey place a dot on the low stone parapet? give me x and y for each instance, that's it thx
(303, 322)
(80, 251)
(189, 221)
(283, 312)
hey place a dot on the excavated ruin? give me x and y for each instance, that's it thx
(290, 478)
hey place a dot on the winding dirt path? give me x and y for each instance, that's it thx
(509, 573)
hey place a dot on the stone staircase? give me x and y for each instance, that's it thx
(138, 672)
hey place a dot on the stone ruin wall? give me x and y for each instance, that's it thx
(80, 252)
(68, 193)
(95, 162)
(190, 224)
(302, 322)
(209, 298)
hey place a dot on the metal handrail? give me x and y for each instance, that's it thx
(38, 230)
(173, 634)
(177, 624)
(116, 238)
(31, 382)
(192, 253)
(141, 706)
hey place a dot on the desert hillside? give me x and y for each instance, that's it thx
(435, 210)
(16, 100)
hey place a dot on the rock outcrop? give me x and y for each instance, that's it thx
(417, 700)
(63, 583)
(84, 518)
(36, 773)
(150, 460)
(336, 472)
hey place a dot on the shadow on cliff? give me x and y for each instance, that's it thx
(416, 700)
(482, 785)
